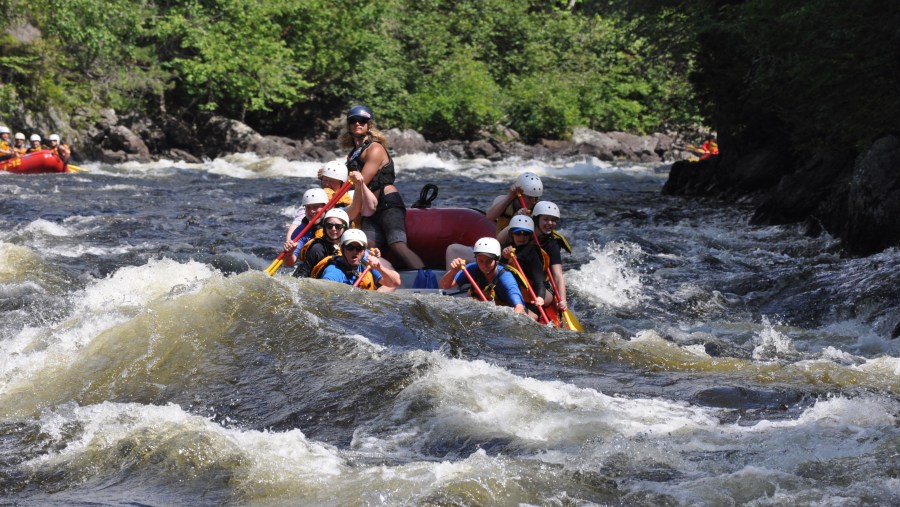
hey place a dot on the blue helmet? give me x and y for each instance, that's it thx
(362, 111)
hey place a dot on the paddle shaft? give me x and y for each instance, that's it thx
(545, 319)
(474, 285)
(300, 232)
(361, 275)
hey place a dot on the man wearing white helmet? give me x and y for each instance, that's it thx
(349, 265)
(6, 147)
(314, 200)
(531, 259)
(35, 144)
(334, 223)
(20, 147)
(495, 281)
(62, 150)
(504, 207)
(546, 216)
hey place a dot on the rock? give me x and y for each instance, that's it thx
(23, 32)
(799, 195)
(600, 145)
(873, 200)
(451, 148)
(760, 169)
(481, 149)
(406, 141)
(179, 155)
(120, 138)
(664, 146)
(642, 148)
(108, 118)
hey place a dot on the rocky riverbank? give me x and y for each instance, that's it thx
(854, 196)
(115, 139)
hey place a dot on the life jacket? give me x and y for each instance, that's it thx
(21, 150)
(559, 238)
(367, 283)
(384, 177)
(6, 151)
(63, 151)
(508, 213)
(34, 149)
(306, 246)
(489, 288)
(343, 202)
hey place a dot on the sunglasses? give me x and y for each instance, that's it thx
(354, 248)
(521, 233)
(357, 119)
(334, 226)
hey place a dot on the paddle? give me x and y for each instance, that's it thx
(571, 321)
(361, 275)
(689, 147)
(273, 268)
(544, 318)
(70, 168)
(474, 285)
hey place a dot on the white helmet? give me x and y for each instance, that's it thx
(54, 137)
(339, 214)
(354, 236)
(35, 137)
(335, 170)
(488, 246)
(4, 130)
(530, 184)
(545, 208)
(314, 196)
(521, 222)
(20, 135)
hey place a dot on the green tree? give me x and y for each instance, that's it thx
(230, 55)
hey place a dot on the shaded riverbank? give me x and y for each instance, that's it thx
(852, 195)
(115, 139)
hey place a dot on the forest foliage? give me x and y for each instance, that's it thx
(815, 71)
(447, 69)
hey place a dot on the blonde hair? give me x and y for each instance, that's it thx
(346, 140)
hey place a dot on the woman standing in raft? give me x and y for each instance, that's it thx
(387, 226)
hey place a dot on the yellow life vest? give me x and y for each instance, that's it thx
(367, 283)
(563, 242)
(344, 201)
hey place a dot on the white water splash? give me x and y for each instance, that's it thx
(771, 344)
(610, 278)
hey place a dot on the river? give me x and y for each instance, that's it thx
(147, 359)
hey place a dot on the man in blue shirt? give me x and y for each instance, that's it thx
(351, 264)
(497, 283)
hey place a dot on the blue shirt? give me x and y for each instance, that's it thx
(336, 273)
(507, 287)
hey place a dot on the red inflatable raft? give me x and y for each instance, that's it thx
(44, 161)
(429, 231)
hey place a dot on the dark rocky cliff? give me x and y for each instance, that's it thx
(853, 196)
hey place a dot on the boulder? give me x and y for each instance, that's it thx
(600, 145)
(635, 147)
(481, 149)
(873, 199)
(406, 141)
(121, 139)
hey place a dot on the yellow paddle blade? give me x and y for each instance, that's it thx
(74, 168)
(273, 268)
(571, 321)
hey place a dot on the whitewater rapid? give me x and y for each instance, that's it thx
(146, 358)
